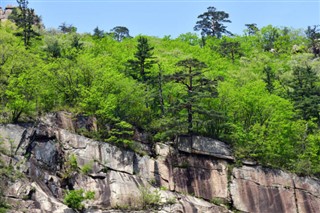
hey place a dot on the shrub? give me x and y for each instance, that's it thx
(86, 169)
(74, 198)
(150, 200)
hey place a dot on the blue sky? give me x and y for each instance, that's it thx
(165, 17)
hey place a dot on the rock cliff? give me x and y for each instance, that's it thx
(48, 159)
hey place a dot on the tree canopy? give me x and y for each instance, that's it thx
(211, 23)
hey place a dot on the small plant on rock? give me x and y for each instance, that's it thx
(87, 168)
(74, 198)
(150, 200)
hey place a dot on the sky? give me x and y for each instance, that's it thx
(171, 17)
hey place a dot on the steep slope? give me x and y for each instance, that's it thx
(196, 176)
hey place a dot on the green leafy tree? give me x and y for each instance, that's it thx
(144, 60)
(120, 32)
(190, 38)
(211, 23)
(269, 35)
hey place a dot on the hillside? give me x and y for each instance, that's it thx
(258, 92)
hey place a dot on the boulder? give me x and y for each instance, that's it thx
(204, 146)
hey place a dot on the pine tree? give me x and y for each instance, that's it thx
(25, 18)
(144, 60)
(211, 23)
(197, 87)
(306, 93)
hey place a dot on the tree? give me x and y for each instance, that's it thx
(53, 49)
(25, 18)
(97, 33)
(313, 34)
(211, 23)
(143, 62)
(306, 92)
(65, 28)
(269, 35)
(269, 78)
(252, 29)
(190, 38)
(230, 48)
(119, 33)
(196, 86)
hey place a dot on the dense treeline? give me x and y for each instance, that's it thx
(258, 91)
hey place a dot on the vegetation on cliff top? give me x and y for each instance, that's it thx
(258, 91)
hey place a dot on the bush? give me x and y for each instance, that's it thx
(87, 168)
(74, 198)
(150, 200)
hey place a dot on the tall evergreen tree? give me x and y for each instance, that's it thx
(269, 78)
(211, 23)
(144, 60)
(252, 29)
(97, 33)
(306, 93)
(230, 48)
(25, 18)
(196, 86)
(67, 28)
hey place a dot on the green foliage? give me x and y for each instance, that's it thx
(26, 20)
(120, 33)
(87, 168)
(306, 92)
(150, 199)
(196, 87)
(139, 68)
(73, 162)
(218, 201)
(74, 198)
(97, 33)
(211, 23)
(67, 28)
(121, 133)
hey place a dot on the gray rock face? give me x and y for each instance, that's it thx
(204, 146)
(47, 153)
(88, 151)
(307, 194)
(258, 190)
(200, 176)
(191, 178)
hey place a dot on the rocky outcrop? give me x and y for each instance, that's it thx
(199, 176)
(259, 190)
(204, 146)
